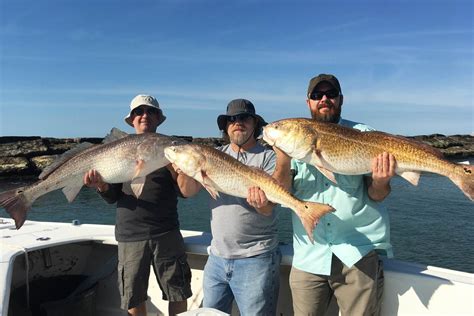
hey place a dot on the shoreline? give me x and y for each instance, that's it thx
(26, 156)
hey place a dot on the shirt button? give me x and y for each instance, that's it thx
(329, 224)
(330, 244)
(326, 184)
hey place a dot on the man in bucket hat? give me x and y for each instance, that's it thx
(244, 259)
(147, 228)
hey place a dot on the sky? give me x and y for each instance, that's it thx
(70, 68)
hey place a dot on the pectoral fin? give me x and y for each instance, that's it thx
(317, 161)
(209, 185)
(137, 186)
(411, 176)
(327, 173)
(71, 191)
(138, 168)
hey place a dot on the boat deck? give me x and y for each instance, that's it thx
(410, 289)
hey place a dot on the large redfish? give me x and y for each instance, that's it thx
(219, 172)
(121, 158)
(335, 148)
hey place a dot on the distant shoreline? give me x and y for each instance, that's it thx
(27, 156)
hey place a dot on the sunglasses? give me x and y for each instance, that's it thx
(147, 110)
(330, 94)
(240, 117)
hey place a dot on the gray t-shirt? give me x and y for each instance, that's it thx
(238, 231)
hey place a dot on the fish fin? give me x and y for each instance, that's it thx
(137, 186)
(115, 134)
(310, 213)
(411, 176)
(328, 174)
(16, 204)
(71, 191)
(317, 161)
(63, 158)
(463, 177)
(140, 165)
(209, 185)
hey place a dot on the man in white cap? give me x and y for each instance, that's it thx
(147, 228)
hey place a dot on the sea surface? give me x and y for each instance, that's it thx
(431, 224)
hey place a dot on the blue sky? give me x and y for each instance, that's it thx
(70, 68)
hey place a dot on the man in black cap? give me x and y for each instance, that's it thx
(244, 259)
(344, 259)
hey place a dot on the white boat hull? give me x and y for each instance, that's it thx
(53, 249)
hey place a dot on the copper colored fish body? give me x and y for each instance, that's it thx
(128, 158)
(219, 172)
(333, 148)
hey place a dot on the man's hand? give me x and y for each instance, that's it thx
(256, 197)
(93, 179)
(383, 169)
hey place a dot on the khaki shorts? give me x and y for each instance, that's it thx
(169, 261)
(358, 289)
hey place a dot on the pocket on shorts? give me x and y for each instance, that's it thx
(120, 279)
(177, 272)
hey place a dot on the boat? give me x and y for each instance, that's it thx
(51, 268)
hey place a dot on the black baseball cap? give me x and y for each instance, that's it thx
(331, 79)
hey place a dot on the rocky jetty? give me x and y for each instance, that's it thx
(27, 156)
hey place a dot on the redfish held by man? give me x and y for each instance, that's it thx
(121, 158)
(333, 148)
(219, 172)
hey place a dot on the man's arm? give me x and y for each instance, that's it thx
(383, 169)
(282, 171)
(110, 193)
(187, 185)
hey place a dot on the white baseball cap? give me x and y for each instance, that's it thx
(148, 100)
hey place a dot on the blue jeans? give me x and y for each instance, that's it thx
(253, 282)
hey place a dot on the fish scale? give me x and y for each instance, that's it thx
(116, 161)
(333, 148)
(219, 172)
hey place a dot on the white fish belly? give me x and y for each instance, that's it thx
(116, 170)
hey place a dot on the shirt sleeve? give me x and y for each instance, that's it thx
(269, 162)
(113, 194)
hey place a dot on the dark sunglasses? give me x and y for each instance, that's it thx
(240, 117)
(148, 110)
(330, 94)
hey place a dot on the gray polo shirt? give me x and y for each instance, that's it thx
(238, 231)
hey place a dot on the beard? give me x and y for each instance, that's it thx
(327, 117)
(240, 138)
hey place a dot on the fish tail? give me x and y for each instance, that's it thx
(310, 213)
(16, 204)
(463, 177)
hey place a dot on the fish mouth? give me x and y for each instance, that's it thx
(267, 138)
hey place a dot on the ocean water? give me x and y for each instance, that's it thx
(431, 224)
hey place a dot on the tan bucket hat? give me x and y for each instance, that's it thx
(148, 100)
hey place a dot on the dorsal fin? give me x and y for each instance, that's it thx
(63, 158)
(114, 135)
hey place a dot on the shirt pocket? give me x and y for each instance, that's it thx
(350, 184)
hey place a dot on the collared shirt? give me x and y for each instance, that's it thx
(358, 226)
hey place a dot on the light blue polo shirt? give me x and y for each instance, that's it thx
(358, 226)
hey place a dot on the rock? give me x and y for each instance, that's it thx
(27, 148)
(14, 166)
(42, 162)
